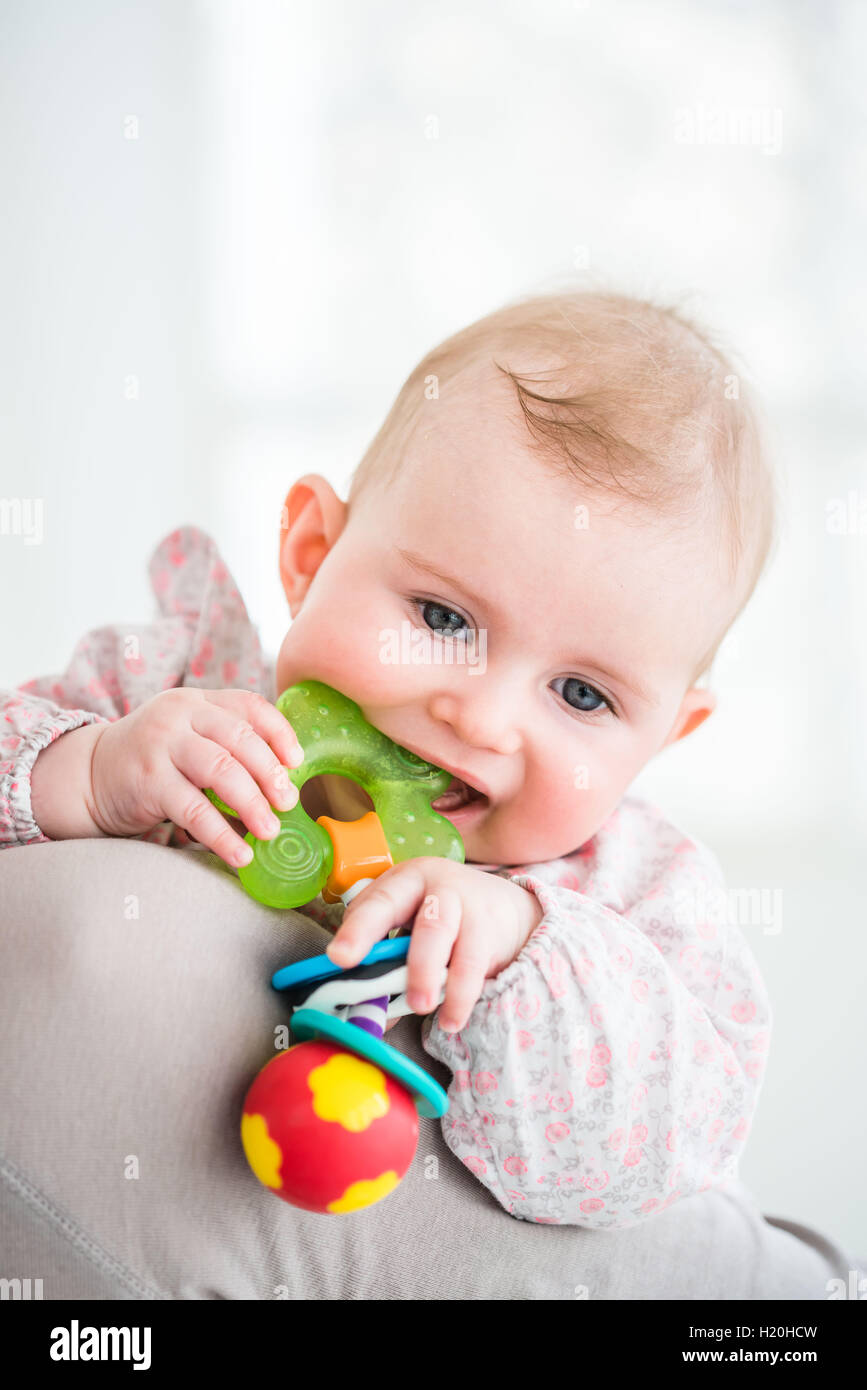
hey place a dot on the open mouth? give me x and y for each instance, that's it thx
(457, 795)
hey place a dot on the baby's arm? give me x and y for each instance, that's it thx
(614, 1066)
(125, 777)
(52, 730)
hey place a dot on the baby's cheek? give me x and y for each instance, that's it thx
(566, 793)
(347, 656)
(559, 809)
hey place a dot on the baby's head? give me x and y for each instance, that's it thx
(542, 549)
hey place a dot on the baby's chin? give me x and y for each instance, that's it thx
(490, 841)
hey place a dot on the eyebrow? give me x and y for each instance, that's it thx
(418, 563)
(425, 567)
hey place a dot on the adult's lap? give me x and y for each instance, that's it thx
(135, 1009)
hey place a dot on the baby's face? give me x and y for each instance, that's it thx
(589, 628)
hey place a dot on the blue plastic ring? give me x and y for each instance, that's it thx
(430, 1099)
(305, 972)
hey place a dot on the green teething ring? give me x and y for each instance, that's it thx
(292, 869)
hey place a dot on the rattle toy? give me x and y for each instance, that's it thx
(331, 1123)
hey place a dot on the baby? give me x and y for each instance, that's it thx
(541, 551)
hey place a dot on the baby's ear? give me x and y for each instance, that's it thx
(312, 518)
(695, 707)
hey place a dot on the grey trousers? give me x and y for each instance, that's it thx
(135, 1010)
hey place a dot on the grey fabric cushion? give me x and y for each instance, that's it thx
(135, 1009)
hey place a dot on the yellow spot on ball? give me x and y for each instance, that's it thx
(263, 1154)
(365, 1193)
(349, 1091)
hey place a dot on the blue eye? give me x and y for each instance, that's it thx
(441, 619)
(582, 697)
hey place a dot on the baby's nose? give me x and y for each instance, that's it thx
(478, 722)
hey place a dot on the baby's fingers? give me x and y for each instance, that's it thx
(435, 930)
(248, 746)
(189, 808)
(383, 904)
(246, 707)
(209, 764)
(467, 974)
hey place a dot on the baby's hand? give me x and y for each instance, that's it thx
(152, 765)
(472, 921)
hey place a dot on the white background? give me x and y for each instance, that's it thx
(284, 239)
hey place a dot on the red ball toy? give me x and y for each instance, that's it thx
(327, 1130)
